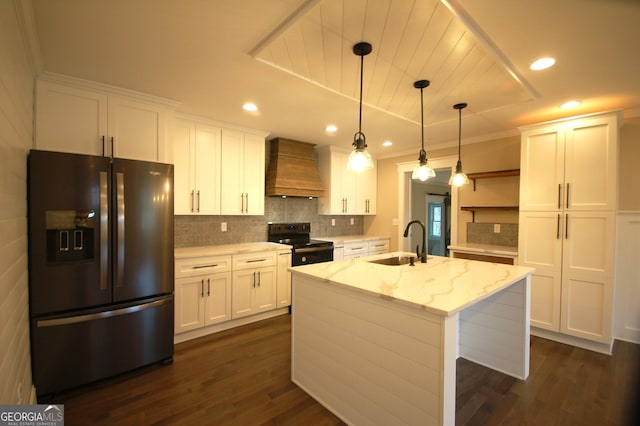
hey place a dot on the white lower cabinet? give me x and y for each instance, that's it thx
(355, 249)
(202, 292)
(378, 246)
(254, 283)
(215, 293)
(358, 248)
(254, 291)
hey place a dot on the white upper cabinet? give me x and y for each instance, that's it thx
(196, 158)
(89, 118)
(243, 173)
(570, 165)
(345, 191)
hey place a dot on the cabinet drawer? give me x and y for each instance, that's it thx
(202, 266)
(378, 246)
(355, 249)
(254, 260)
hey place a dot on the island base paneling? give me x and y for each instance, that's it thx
(372, 361)
(492, 331)
(368, 362)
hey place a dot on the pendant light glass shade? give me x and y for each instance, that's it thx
(459, 178)
(422, 171)
(360, 159)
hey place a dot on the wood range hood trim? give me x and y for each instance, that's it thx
(293, 171)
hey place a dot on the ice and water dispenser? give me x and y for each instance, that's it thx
(70, 235)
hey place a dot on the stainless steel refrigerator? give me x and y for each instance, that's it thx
(101, 267)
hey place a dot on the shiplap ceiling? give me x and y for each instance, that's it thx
(413, 41)
(294, 59)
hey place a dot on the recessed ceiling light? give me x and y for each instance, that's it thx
(570, 104)
(250, 107)
(331, 128)
(387, 143)
(542, 64)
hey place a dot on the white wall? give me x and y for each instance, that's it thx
(16, 131)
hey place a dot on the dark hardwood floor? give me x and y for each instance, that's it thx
(242, 377)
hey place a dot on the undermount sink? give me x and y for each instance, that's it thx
(394, 261)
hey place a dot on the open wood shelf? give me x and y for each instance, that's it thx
(474, 209)
(493, 174)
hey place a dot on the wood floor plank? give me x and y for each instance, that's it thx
(243, 377)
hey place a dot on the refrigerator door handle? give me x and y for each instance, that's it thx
(120, 229)
(99, 315)
(104, 230)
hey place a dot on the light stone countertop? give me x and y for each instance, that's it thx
(443, 286)
(486, 249)
(228, 249)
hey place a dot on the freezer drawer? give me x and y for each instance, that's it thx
(75, 350)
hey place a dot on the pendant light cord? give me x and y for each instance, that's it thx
(361, 74)
(422, 117)
(459, 130)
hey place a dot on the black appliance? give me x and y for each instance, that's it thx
(101, 267)
(304, 250)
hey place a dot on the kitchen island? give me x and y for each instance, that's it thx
(377, 344)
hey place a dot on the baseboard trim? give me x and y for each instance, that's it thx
(604, 348)
(204, 331)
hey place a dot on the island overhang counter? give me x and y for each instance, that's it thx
(377, 344)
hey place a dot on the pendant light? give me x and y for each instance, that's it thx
(422, 171)
(360, 159)
(459, 178)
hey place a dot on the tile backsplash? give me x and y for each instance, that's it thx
(482, 233)
(201, 230)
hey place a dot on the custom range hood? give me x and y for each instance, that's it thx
(292, 170)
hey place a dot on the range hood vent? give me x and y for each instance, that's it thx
(292, 170)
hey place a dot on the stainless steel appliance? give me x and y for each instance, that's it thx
(304, 250)
(101, 270)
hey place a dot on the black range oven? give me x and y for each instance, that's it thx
(304, 250)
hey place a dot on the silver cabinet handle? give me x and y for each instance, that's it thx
(255, 260)
(559, 197)
(558, 228)
(212, 265)
(103, 145)
(113, 147)
(254, 280)
(198, 209)
(202, 288)
(104, 230)
(246, 210)
(208, 286)
(567, 194)
(258, 279)
(192, 201)
(566, 226)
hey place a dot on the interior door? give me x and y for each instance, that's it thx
(142, 229)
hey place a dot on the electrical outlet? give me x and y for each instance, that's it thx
(333, 222)
(496, 228)
(223, 227)
(353, 222)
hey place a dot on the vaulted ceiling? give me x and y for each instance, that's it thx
(294, 59)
